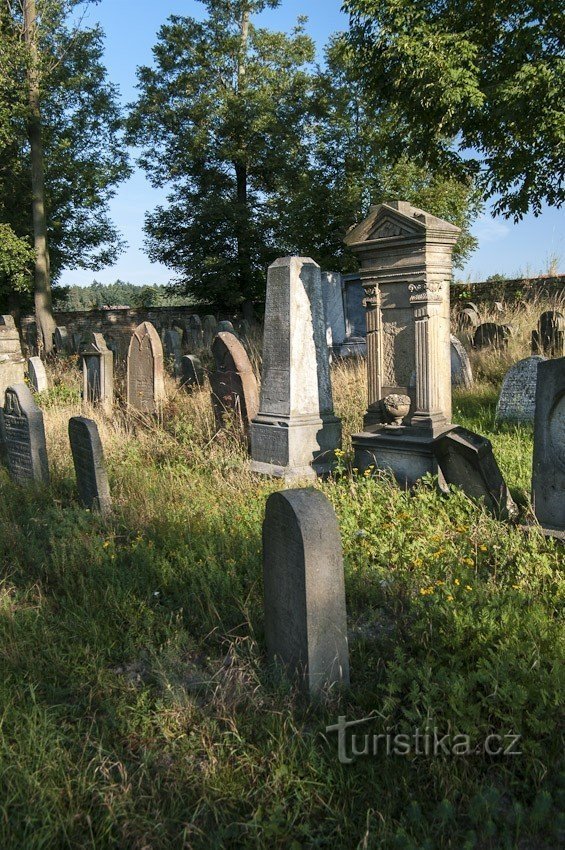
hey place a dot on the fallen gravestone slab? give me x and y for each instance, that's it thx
(23, 437)
(548, 479)
(304, 592)
(90, 469)
(466, 460)
(517, 400)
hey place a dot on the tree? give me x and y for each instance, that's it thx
(477, 86)
(60, 149)
(221, 118)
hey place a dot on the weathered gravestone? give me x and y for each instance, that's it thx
(97, 372)
(12, 363)
(234, 386)
(194, 333)
(466, 460)
(549, 337)
(334, 309)
(145, 382)
(295, 434)
(355, 342)
(517, 400)
(172, 349)
(226, 326)
(76, 341)
(304, 593)
(23, 436)
(37, 374)
(191, 372)
(468, 318)
(90, 469)
(61, 340)
(548, 480)
(492, 335)
(461, 371)
(209, 330)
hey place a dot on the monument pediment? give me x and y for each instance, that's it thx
(396, 220)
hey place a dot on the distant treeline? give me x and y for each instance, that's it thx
(118, 294)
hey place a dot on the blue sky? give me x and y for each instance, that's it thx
(131, 27)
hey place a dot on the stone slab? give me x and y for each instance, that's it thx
(90, 468)
(517, 400)
(23, 436)
(37, 374)
(548, 473)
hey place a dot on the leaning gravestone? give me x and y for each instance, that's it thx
(12, 363)
(548, 480)
(461, 372)
(466, 460)
(61, 340)
(145, 381)
(23, 436)
(295, 434)
(234, 385)
(517, 400)
(209, 330)
(226, 326)
(549, 337)
(191, 371)
(172, 349)
(37, 374)
(304, 592)
(98, 372)
(90, 469)
(492, 335)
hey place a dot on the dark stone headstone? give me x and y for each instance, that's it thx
(209, 330)
(61, 340)
(97, 371)
(194, 333)
(192, 373)
(172, 349)
(234, 386)
(90, 469)
(466, 460)
(23, 436)
(468, 317)
(549, 337)
(517, 400)
(548, 480)
(492, 335)
(304, 593)
(226, 326)
(145, 382)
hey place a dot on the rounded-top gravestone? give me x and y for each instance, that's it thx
(492, 335)
(461, 372)
(517, 400)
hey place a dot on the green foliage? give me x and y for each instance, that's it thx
(483, 78)
(16, 262)
(120, 293)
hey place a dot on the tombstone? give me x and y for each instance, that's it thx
(406, 269)
(226, 327)
(145, 381)
(12, 363)
(76, 342)
(304, 592)
(194, 333)
(90, 469)
(295, 434)
(29, 334)
(209, 330)
(97, 372)
(468, 318)
(549, 337)
(492, 335)
(191, 372)
(23, 436)
(548, 479)
(461, 371)
(334, 310)
(244, 329)
(61, 340)
(234, 386)
(37, 375)
(172, 349)
(517, 400)
(466, 460)
(355, 342)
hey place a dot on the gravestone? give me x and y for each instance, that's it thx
(37, 374)
(492, 335)
(209, 330)
(12, 363)
(29, 332)
(195, 335)
(226, 326)
(355, 342)
(548, 479)
(517, 400)
(234, 386)
(145, 381)
(76, 342)
(461, 372)
(468, 318)
(549, 337)
(61, 340)
(191, 373)
(466, 460)
(334, 310)
(97, 372)
(23, 436)
(172, 350)
(406, 268)
(295, 434)
(90, 469)
(304, 593)
(244, 329)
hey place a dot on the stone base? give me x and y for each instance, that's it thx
(405, 451)
(294, 447)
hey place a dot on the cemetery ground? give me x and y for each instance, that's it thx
(136, 709)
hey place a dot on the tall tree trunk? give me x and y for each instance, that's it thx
(43, 298)
(241, 176)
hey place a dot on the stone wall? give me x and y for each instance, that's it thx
(516, 289)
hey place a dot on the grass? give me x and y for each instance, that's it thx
(137, 712)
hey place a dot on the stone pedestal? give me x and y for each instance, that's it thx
(405, 255)
(295, 433)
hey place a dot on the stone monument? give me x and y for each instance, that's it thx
(37, 374)
(492, 335)
(549, 337)
(233, 383)
(517, 400)
(461, 371)
(405, 256)
(548, 480)
(172, 349)
(191, 371)
(304, 593)
(97, 372)
(295, 433)
(61, 340)
(23, 436)
(145, 381)
(209, 329)
(90, 469)
(12, 363)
